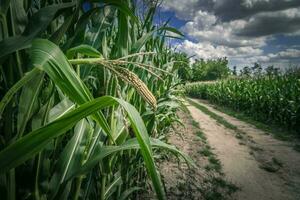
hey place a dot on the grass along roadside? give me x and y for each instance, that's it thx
(214, 163)
(219, 119)
(214, 166)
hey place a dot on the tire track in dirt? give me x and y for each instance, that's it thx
(245, 169)
(183, 182)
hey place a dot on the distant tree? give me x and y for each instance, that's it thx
(246, 71)
(234, 72)
(211, 69)
(271, 70)
(293, 70)
(256, 69)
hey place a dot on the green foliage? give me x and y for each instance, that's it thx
(183, 66)
(270, 99)
(81, 108)
(246, 71)
(213, 115)
(208, 70)
(272, 71)
(257, 70)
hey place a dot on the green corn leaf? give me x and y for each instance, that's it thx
(123, 33)
(71, 156)
(85, 50)
(141, 42)
(123, 7)
(104, 151)
(57, 36)
(48, 57)
(173, 30)
(37, 24)
(29, 145)
(114, 184)
(128, 192)
(19, 16)
(4, 5)
(60, 109)
(28, 101)
(16, 87)
(72, 150)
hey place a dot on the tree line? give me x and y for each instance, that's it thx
(215, 69)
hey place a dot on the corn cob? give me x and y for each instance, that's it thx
(138, 84)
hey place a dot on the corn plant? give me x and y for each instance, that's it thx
(86, 88)
(270, 99)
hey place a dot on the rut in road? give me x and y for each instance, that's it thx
(246, 166)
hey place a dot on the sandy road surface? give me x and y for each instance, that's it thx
(244, 168)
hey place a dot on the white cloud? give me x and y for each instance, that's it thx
(202, 20)
(183, 9)
(206, 50)
(241, 56)
(243, 36)
(205, 27)
(287, 54)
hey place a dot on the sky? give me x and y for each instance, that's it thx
(244, 31)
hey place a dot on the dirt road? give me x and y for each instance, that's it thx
(182, 182)
(263, 167)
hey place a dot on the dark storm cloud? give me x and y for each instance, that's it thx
(204, 5)
(267, 17)
(187, 9)
(228, 10)
(272, 23)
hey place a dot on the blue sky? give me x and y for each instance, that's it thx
(245, 31)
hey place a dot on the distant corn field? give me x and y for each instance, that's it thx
(85, 88)
(270, 99)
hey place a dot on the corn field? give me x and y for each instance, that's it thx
(270, 99)
(88, 89)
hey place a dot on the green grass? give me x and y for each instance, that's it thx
(201, 135)
(225, 184)
(213, 115)
(272, 166)
(195, 123)
(255, 148)
(220, 186)
(213, 160)
(239, 136)
(206, 152)
(277, 162)
(218, 118)
(269, 168)
(214, 164)
(296, 147)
